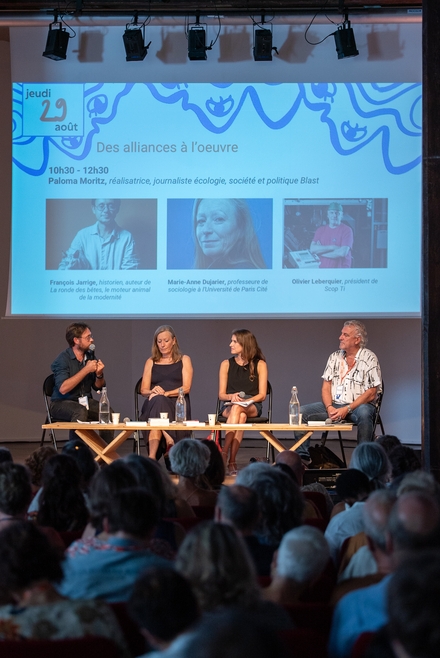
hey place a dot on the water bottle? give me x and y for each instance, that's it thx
(104, 407)
(180, 407)
(294, 407)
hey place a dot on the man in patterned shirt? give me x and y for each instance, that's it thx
(351, 382)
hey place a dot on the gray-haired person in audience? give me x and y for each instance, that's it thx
(189, 459)
(299, 561)
(371, 459)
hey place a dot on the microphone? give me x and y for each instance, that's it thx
(91, 352)
(242, 394)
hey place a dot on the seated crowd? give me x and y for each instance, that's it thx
(264, 567)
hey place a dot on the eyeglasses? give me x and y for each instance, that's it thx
(89, 337)
(102, 206)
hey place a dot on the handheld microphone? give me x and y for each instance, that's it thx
(91, 352)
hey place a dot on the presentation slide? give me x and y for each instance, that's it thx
(216, 200)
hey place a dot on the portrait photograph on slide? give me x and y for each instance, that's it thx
(219, 234)
(335, 233)
(101, 234)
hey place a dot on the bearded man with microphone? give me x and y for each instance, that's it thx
(76, 371)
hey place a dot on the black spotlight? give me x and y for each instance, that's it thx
(345, 41)
(197, 43)
(263, 45)
(135, 48)
(57, 41)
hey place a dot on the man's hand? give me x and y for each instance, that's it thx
(337, 414)
(99, 367)
(90, 366)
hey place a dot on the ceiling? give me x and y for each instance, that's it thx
(43, 8)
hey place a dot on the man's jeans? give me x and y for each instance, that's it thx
(362, 416)
(70, 411)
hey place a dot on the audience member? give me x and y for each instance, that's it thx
(294, 461)
(29, 569)
(232, 633)
(299, 561)
(83, 456)
(189, 459)
(280, 501)
(403, 460)
(353, 487)
(371, 459)
(419, 481)
(214, 558)
(372, 561)
(5, 455)
(238, 506)
(388, 442)
(413, 607)
(107, 569)
(15, 493)
(414, 524)
(61, 504)
(35, 463)
(148, 476)
(164, 606)
(215, 472)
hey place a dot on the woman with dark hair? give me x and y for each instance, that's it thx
(224, 235)
(62, 505)
(35, 463)
(215, 473)
(165, 372)
(29, 568)
(83, 456)
(242, 387)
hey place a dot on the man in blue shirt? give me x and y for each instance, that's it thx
(104, 245)
(107, 568)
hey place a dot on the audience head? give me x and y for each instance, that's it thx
(376, 513)
(418, 481)
(163, 605)
(83, 456)
(62, 504)
(148, 476)
(215, 561)
(238, 505)
(107, 482)
(413, 606)
(35, 463)
(403, 460)
(233, 633)
(388, 442)
(294, 462)
(132, 512)
(371, 459)
(189, 458)
(15, 489)
(352, 485)
(5, 455)
(302, 555)
(26, 558)
(215, 472)
(414, 522)
(280, 501)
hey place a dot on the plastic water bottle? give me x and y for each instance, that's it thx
(180, 407)
(294, 407)
(104, 407)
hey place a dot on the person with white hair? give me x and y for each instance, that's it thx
(351, 382)
(189, 459)
(299, 561)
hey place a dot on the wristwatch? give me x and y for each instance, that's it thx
(349, 409)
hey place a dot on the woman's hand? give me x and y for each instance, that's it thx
(156, 390)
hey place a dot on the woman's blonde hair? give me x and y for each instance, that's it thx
(155, 352)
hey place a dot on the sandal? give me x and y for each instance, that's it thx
(232, 468)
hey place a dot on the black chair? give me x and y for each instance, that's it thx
(377, 420)
(137, 434)
(270, 451)
(48, 386)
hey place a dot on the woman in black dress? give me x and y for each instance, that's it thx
(242, 379)
(165, 372)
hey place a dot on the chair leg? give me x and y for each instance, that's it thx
(342, 449)
(54, 441)
(42, 438)
(270, 453)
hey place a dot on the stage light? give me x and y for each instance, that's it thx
(345, 41)
(57, 41)
(263, 45)
(134, 41)
(197, 43)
